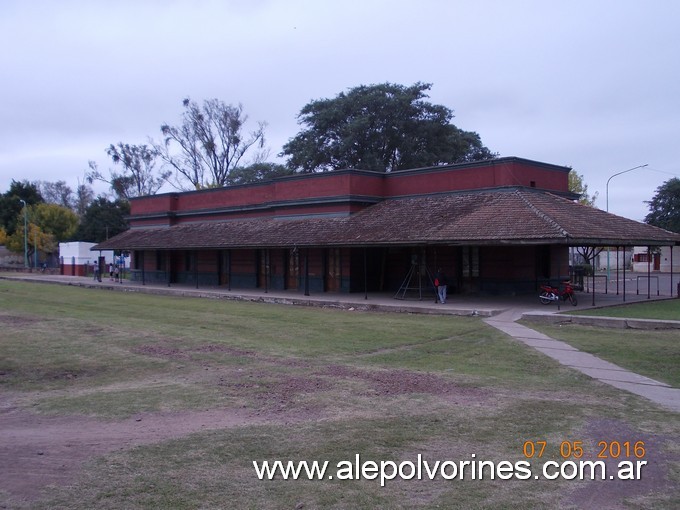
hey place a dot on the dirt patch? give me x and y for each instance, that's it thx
(276, 395)
(401, 382)
(15, 321)
(610, 494)
(164, 350)
(38, 451)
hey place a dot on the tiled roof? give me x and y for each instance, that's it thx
(499, 216)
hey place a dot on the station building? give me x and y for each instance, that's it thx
(501, 226)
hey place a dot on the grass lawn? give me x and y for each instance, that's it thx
(667, 309)
(301, 384)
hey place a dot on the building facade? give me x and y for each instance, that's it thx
(501, 226)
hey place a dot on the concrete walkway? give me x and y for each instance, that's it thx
(590, 365)
(500, 313)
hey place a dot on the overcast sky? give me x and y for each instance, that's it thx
(592, 84)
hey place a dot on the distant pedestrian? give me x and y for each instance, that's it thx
(442, 283)
(116, 272)
(111, 272)
(95, 271)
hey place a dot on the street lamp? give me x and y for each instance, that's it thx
(607, 201)
(25, 233)
(619, 173)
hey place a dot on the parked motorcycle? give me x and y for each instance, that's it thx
(549, 293)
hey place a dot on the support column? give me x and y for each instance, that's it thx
(365, 274)
(195, 260)
(143, 257)
(617, 270)
(624, 274)
(266, 270)
(229, 270)
(168, 268)
(649, 272)
(559, 279)
(307, 272)
(672, 271)
(592, 268)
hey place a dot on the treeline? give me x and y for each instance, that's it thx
(40, 215)
(383, 127)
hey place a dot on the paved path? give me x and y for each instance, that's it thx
(588, 364)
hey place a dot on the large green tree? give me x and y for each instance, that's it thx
(664, 207)
(380, 127)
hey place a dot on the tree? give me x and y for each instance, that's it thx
(138, 177)
(56, 220)
(257, 172)
(37, 239)
(380, 127)
(664, 207)
(211, 143)
(103, 219)
(11, 206)
(48, 225)
(57, 192)
(84, 196)
(577, 185)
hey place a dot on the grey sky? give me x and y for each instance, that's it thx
(589, 84)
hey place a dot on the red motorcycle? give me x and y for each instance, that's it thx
(549, 293)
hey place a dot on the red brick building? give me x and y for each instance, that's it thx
(497, 226)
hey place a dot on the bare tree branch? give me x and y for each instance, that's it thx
(210, 142)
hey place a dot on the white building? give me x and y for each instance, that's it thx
(659, 259)
(76, 258)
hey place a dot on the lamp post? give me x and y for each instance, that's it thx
(25, 233)
(607, 204)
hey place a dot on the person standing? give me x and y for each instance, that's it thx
(111, 271)
(95, 270)
(442, 284)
